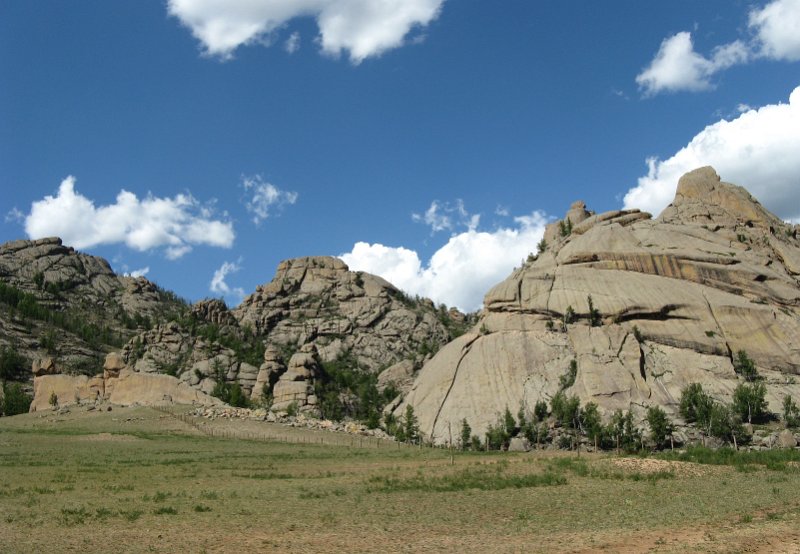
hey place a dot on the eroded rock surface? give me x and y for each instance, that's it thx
(673, 300)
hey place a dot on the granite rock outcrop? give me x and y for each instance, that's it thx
(644, 306)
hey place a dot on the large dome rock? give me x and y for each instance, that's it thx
(644, 306)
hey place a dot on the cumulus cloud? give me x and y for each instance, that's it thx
(447, 217)
(220, 286)
(174, 224)
(678, 67)
(362, 28)
(460, 272)
(139, 272)
(777, 28)
(263, 197)
(758, 150)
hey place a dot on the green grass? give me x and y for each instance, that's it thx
(471, 478)
(776, 460)
(271, 496)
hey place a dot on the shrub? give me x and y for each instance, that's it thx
(745, 366)
(594, 313)
(12, 364)
(791, 413)
(53, 400)
(569, 316)
(568, 379)
(541, 246)
(695, 404)
(726, 424)
(623, 431)
(540, 410)
(565, 410)
(749, 401)
(410, 425)
(15, 400)
(348, 390)
(509, 423)
(466, 435)
(292, 409)
(660, 426)
(592, 423)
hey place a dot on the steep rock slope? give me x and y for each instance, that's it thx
(311, 303)
(55, 301)
(643, 306)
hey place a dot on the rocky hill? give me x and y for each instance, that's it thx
(642, 306)
(314, 313)
(56, 302)
(316, 328)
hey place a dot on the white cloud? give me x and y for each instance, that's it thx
(175, 224)
(758, 150)
(220, 286)
(139, 272)
(265, 196)
(777, 28)
(14, 215)
(446, 217)
(292, 43)
(461, 271)
(362, 28)
(677, 66)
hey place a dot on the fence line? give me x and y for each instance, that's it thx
(334, 438)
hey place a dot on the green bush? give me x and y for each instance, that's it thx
(592, 424)
(347, 390)
(695, 404)
(15, 400)
(466, 435)
(750, 402)
(661, 427)
(566, 411)
(791, 413)
(12, 364)
(745, 366)
(568, 379)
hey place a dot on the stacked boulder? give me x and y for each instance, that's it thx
(296, 385)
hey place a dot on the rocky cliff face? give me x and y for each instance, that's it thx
(319, 300)
(55, 301)
(643, 306)
(313, 304)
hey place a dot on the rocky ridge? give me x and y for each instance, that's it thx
(58, 302)
(644, 306)
(315, 310)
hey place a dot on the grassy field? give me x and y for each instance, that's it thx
(136, 480)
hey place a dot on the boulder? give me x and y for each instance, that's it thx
(786, 439)
(519, 444)
(296, 385)
(44, 366)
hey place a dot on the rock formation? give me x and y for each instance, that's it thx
(314, 302)
(644, 306)
(118, 384)
(58, 302)
(319, 300)
(296, 385)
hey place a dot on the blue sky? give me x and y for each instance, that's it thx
(425, 140)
